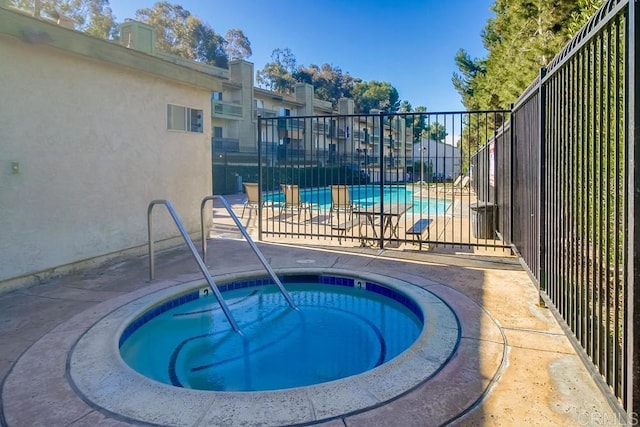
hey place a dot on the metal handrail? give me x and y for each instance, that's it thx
(246, 235)
(194, 252)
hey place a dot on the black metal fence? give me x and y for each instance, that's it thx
(406, 178)
(555, 178)
(493, 161)
(574, 192)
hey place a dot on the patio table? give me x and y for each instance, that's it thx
(391, 215)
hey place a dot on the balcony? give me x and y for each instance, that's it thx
(322, 105)
(264, 113)
(226, 110)
(320, 128)
(290, 124)
(223, 145)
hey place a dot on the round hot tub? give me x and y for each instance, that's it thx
(356, 341)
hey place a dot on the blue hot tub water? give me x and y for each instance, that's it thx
(339, 331)
(367, 195)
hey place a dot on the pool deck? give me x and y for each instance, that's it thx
(514, 365)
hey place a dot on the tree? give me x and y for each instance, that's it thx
(237, 45)
(94, 17)
(470, 69)
(375, 95)
(329, 82)
(180, 33)
(523, 37)
(278, 74)
(416, 122)
(405, 107)
(587, 8)
(436, 132)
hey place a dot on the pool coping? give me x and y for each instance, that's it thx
(103, 378)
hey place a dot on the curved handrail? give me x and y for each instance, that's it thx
(194, 252)
(249, 240)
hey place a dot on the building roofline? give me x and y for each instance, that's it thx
(40, 32)
(277, 96)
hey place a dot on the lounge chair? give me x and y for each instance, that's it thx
(340, 202)
(292, 200)
(459, 186)
(457, 181)
(253, 198)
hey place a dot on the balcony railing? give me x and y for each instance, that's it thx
(320, 128)
(226, 145)
(290, 124)
(229, 109)
(265, 113)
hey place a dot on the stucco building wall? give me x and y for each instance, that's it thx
(84, 148)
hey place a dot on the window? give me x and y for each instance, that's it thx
(216, 96)
(259, 103)
(217, 132)
(284, 112)
(184, 118)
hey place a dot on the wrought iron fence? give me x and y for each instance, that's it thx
(575, 188)
(379, 179)
(554, 178)
(493, 161)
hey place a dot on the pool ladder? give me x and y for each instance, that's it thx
(200, 260)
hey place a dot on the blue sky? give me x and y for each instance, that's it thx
(409, 43)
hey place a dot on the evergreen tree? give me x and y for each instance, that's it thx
(522, 37)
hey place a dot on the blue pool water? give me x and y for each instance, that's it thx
(367, 195)
(344, 327)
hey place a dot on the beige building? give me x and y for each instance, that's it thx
(92, 130)
(90, 133)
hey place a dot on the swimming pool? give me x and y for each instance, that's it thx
(342, 327)
(367, 195)
(99, 373)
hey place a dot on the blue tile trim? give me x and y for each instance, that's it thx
(156, 311)
(397, 296)
(335, 280)
(241, 284)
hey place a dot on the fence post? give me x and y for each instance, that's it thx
(512, 155)
(260, 180)
(383, 174)
(542, 265)
(633, 206)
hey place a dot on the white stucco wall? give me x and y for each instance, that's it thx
(93, 150)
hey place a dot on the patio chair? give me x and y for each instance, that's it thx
(459, 186)
(252, 190)
(292, 200)
(340, 201)
(458, 180)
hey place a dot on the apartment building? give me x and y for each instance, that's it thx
(323, 139)
(297, 128)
